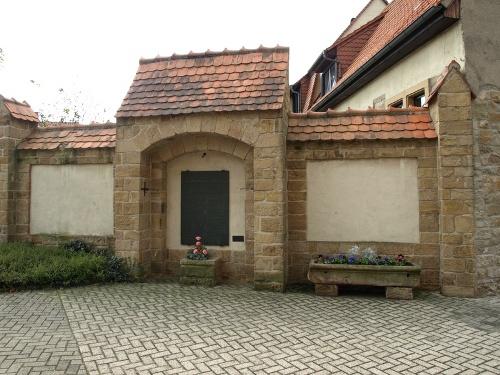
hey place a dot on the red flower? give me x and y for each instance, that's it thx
(195, 251)
(198, 243)
(205, 252)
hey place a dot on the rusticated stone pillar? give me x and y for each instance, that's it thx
(452, 113)
(131, 198)
(270, 205)
(12, 132)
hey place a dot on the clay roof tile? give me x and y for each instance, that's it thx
(20, 110)
(252, 80)
(373, 124)
(54, 135)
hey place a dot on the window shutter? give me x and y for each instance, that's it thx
(205, 207)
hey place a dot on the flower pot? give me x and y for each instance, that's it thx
(399, 281)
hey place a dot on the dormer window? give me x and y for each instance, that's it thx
(329, 78)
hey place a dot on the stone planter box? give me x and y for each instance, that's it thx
(199, 272)
(398, 281)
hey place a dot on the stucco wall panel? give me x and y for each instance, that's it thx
(363, 200)
(72, 199)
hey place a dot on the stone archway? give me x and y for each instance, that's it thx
(237, 264)
(258, 138)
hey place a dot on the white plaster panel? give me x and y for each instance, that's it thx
(363, 200)
(72, 199)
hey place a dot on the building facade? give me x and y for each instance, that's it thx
(390, 141)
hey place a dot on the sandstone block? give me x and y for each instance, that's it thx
(398, 293)
(327, 290)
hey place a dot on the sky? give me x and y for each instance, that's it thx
(91, 48)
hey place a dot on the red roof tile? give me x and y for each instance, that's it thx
(452, 66)
(398, 16)
(344, 33)
(349, 47)
(309, 92)
(71, 136)
(20, 110)
(206, 82)
(355, 125)
(345, 49)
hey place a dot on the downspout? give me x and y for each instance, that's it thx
(293, 91)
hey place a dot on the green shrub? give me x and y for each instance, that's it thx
(24, 266)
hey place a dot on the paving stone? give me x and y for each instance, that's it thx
(35, 335)
(173, 329)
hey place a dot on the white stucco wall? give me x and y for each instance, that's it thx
(426, 62)
(373, 9)
(363, 200)
(72, 199)
(213, 161)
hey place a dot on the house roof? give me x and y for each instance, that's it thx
(208, 82)
(349, 47)
(353, 20)
(350, 125)
(397, 17)
(345, 49)
(20, 110)
(309, 91)
(70, 136)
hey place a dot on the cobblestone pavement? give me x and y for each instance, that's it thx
(172, 329)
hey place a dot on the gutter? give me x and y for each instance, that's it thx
(425, 28)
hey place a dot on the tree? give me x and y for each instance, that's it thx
(69, 105)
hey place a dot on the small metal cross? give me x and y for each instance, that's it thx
(144, 188)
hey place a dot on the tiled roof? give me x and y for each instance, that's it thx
(20, 110)
(345, 49)
(358, 125)
(349, 47)
(344, 33)
(310, 90)
(208, 82)
(398, 16)
(71, 136)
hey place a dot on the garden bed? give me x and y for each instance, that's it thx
(25, 266)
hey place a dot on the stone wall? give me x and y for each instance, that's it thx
(22, 189)
(451, 113)
(263, 132)
(425, 253)
(486, 123)
(236, 264)
(12, 132)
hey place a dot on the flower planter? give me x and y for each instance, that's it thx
(199, 272)
(398, 281)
